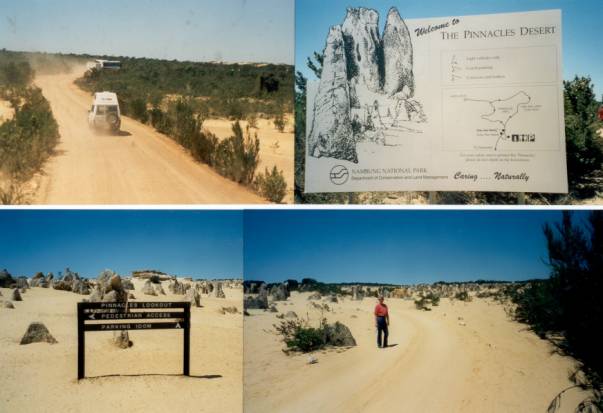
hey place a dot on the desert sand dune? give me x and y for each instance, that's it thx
(435, 363)
(43, 377)
(141, 166)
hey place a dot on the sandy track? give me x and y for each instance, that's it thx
(42, 377)
(437, 365)
(141, 166)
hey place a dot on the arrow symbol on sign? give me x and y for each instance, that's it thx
(92, 317)
(178, 325)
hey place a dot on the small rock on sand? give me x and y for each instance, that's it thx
(16, 296)
(8, 304)
(291, 314)
(37, 333)
(229, 310)
(121, 339)
(312, 360)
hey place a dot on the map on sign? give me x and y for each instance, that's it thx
(467, 103)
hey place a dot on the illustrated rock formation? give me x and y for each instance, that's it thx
(397, 56)
(37, 333)
(366, 85)
(331, 134)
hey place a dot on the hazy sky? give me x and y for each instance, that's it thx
(581, 21)
(197, 30)
(399, 247)
(193, 243)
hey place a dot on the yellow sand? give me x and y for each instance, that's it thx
(6, 111)
(491, 364)
(42, 377)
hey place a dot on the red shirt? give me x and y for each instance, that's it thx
(381, 310)
(601, 113)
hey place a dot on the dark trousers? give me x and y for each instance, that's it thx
(382, 332)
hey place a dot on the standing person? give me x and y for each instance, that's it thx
(382, 322)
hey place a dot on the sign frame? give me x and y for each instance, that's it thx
(122, 319)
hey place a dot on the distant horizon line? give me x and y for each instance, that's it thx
(477, 280)
(94, 55)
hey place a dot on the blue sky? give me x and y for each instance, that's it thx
(399, 247)
(193, 243)
(581, 20)
(197, 30)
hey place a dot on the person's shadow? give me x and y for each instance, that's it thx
(391, 345)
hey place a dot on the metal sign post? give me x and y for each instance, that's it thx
(117, 317)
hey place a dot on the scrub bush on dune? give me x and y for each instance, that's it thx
(271, 185)
(28, 139)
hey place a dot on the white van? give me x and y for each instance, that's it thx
(105, 113)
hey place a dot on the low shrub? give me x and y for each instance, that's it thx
(462, 296)
(271, 185)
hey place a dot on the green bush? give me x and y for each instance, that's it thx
(271, 185)
(569, 304)
(138, 110)
(584, 150)
(28, 139)
(299, 336)
(237, 157)
(423, 304)
(226, 89)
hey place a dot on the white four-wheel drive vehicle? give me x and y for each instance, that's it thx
(105, 114)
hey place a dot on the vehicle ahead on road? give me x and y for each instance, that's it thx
(104, 113)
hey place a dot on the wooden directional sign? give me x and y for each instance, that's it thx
(133, 315)
(118, 316)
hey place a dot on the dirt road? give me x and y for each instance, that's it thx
(141, 166)
(437, 363)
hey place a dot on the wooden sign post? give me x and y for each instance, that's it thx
(117, 316)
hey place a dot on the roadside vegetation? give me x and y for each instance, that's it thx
(567, 308)
(177, 97)
(426, 301)
(584, 149)
(299, 336)
(29, 138)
